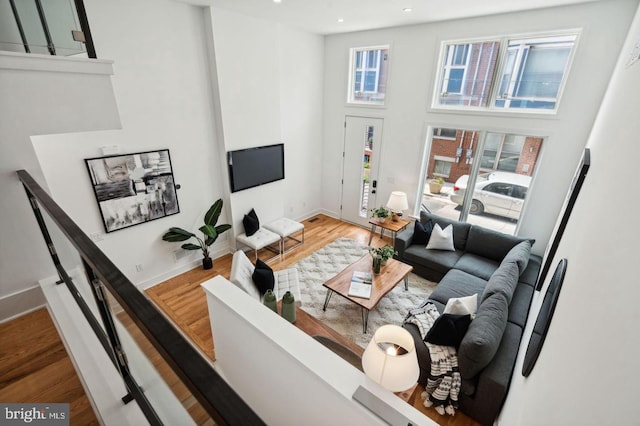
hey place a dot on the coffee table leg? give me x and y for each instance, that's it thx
(406, 283)
(326, 299)
(365, 320)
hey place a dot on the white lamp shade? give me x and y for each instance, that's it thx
(395, 372)
(397, 201)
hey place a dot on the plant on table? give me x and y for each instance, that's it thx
(210, 230)
(381, 213)
(383, 253)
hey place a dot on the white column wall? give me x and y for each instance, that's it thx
(587, 370)
(414, 52)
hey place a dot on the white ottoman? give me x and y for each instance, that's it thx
(285, 228)
(263, 238)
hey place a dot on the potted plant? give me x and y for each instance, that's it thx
(435, 185)
(209, 229)
(383, 253)
(381, 213)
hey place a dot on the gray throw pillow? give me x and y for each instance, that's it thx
(519, 254)
(503, 280)
(481, 342)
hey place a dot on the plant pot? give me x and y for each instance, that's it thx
(207, 263)
(377, 263)
(435, 187)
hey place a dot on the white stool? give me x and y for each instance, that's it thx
(285, 228)
(263, 238)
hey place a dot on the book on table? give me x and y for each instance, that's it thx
(361, 284)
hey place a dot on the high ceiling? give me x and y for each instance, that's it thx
(321, 16)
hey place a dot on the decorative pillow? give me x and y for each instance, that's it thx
(448, 330)
(441, 239)
(422, 232)
(263, 277)
(251, 223)
(462, 306)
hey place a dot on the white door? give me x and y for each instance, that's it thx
(362, 143)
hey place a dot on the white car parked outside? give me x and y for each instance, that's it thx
(498, 193)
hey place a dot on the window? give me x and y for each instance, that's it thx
(530, 76)
(444, 133)
(368, 75)
(487, 175)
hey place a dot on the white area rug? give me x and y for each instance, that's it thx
(342, 315)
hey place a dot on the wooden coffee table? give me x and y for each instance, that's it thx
(389, 276)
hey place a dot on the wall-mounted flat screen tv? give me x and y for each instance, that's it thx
(255, 166)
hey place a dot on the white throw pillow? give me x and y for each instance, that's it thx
(462, 306)
(441, 239)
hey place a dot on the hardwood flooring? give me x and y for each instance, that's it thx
(35, 367)
(184, 302)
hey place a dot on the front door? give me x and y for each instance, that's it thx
(362, 143)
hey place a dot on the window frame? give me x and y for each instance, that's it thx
(351, 100)
(497, 76)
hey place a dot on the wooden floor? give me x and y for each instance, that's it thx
(183, 300)
(35, 367)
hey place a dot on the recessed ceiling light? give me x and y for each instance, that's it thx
(407, 9)
(340, 20)
(277, 1)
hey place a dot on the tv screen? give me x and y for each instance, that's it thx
(255, 166)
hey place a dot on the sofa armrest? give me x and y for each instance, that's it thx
(403, 241)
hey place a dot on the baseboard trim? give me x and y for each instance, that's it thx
(21, 303)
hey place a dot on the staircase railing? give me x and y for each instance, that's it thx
(217, 398)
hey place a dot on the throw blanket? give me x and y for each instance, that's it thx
(443, 382)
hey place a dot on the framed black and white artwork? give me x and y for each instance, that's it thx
(133, 188)
(561, 224)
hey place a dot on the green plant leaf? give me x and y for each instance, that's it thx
(222, 228)
(209, 241)
(209, 231)
(177, 234)
(190, 246)
(211, 218)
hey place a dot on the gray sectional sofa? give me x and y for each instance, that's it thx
(501, 270)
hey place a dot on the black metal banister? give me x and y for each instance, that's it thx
(220, 401)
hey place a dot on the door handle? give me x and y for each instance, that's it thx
(374, 185)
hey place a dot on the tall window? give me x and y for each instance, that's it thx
(368, 79)
(530, 75)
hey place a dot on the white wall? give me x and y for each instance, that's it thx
(266, 74)
(587, 371)
(40, 95)
(413, 65)
(163, 91)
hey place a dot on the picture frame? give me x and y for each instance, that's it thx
(132, 189)
(570, 200)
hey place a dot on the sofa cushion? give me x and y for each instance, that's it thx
(457, 283)
(490, 244)
(530, 274)
(441, 239)
(263, 277)
(460, 229)
(421, 232)
(504, 281)
(438, 260)
(241, 272)
(520, 255)
(477, 265)
(483, 337)
(448, 330)
(520, 303)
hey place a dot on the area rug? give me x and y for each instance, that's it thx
(342, 315)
